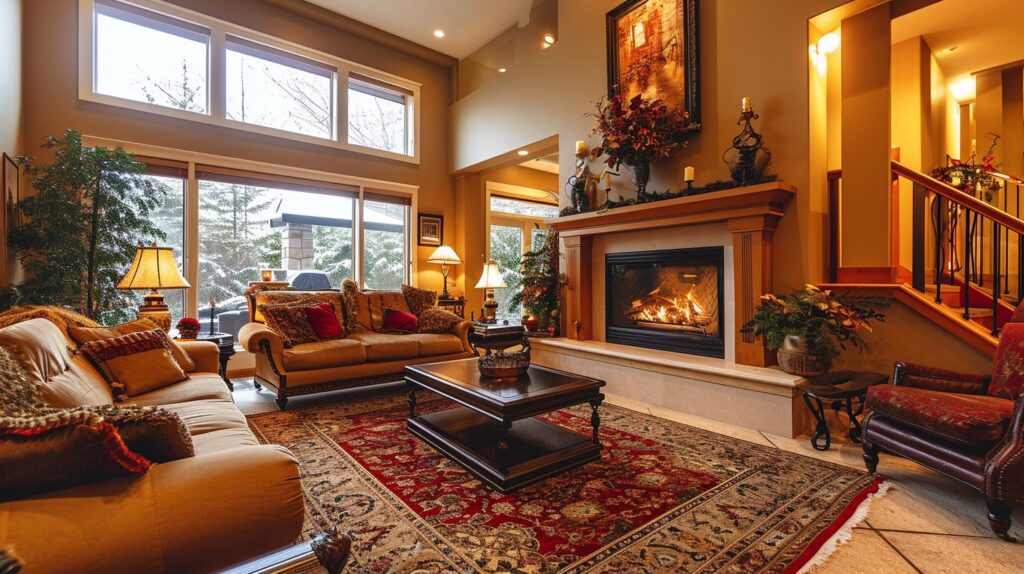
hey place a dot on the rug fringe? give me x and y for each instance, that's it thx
(845, 532)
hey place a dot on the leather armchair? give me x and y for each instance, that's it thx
(968, 427)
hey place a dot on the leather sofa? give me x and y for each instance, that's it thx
(233, 500)
(364, 357)
(969, 427)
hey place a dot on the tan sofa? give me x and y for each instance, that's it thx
(362, 358)
(233, 500)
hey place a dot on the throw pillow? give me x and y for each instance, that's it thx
(60, 449)
(419, 300)
(382, 300)
(289, 321)
(324, 322)
(1008, 366)
(398, 321)
(18, 393)
(438, 321)
(357, 308)
(82, 335)
(153, 432)
(135, 363)
(289, 297)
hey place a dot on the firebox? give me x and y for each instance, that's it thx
(669, 300)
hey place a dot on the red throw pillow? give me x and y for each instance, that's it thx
(324, 322)
(400, 321)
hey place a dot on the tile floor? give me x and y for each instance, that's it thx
(925, 524)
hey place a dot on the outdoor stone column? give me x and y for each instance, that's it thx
(297, 246)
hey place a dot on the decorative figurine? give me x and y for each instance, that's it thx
(750, 158)
(579, 180)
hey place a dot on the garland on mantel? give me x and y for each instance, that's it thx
(720, 185)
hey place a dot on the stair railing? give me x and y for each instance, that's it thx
(987, 231)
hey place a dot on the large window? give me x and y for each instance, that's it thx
(275, 89)
(377, 116)
(148, 57)
(517, 226)
(167, 60)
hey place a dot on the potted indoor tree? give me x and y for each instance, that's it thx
(809, 328)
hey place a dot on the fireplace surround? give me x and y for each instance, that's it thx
(671, 300)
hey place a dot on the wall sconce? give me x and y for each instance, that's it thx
(819, 53)
(549, 39)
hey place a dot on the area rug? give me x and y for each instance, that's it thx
(664, 497)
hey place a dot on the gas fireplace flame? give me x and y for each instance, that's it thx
(659, 310)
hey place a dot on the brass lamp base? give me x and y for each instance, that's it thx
(489, 314)
(154, 309)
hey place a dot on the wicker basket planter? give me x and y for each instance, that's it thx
(795, 359)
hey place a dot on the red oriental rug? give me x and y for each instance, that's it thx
(664, 497)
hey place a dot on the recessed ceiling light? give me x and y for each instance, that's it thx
(502, 70)
(523, 152)
(439, 33)
(549, 39)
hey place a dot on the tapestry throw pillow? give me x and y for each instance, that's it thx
(60, 449)
(290, 323)
(357, 308)
(81, 335)
(419, 300)
(135, 363)
(18, 394)
(400, 322)
(382, 300)
(1008, 366)
(438, 321)
(324, 322)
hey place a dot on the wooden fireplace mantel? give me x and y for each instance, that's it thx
(751, 213)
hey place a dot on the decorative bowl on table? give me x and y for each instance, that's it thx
(504, 366)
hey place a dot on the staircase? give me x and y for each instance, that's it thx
(982, 241)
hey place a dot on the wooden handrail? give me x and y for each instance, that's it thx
(956, 196)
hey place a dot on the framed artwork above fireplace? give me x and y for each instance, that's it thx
(653, 50)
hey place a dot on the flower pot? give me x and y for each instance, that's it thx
(641, 175)
(795, 359)
(188, 333)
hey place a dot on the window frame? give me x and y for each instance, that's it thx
(216, 90)
(196, 160)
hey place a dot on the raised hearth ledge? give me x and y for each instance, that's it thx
(763, 399)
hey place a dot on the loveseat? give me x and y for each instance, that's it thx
(233, 500)
(366, 355)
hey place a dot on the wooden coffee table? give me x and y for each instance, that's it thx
(494, 432)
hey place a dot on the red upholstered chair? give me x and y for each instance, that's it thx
(967, 427)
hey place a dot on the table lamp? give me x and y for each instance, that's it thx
(154, 268)
(445, 256)
(489, 281)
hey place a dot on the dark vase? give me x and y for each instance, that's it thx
(641, 175)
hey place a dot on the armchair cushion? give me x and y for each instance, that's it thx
(971, 420)
(1008, 363)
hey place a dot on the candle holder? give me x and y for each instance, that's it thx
(749, 157)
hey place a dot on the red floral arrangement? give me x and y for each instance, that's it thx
(639, 132)
(188, 324)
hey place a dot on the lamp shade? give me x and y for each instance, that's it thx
(153, 268)
(444, 255)
(491, 279)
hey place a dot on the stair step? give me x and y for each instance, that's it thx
(953, 290)
(976, 312)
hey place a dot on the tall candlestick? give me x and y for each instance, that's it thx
(606, 181)
(581, 147)
(745, 104)
(688, 174)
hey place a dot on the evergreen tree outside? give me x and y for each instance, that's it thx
(507, 251)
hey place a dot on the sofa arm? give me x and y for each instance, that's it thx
(255, 337)
(461, 330)
(1004, 472)
(85, 528)
(921, 377)
(204, 354)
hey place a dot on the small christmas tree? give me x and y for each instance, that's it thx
(541, 284)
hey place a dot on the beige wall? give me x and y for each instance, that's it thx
(10, 98)
(524, 177)
(52, 105)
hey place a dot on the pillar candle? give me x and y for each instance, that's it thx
(688, 174)
(581, 147)
(745, 104)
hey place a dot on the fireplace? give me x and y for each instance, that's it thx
(669, 300)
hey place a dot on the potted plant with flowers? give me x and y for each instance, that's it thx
(809, 328)
(637, 132)
(188, 328)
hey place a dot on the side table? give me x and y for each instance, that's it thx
(839, 389)
(226, 345)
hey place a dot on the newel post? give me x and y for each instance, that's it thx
(579, 271)
(752, 277)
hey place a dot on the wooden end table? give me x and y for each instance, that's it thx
(494, 433)
(226, 346)
(839, 388)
